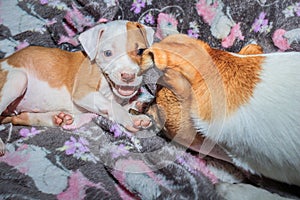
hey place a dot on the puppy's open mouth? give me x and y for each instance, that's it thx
(122, 89)
(125, 90)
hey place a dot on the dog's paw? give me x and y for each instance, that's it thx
(138, 122)
(71, 122)
(2, 148)
(63, 119)
(141, 121)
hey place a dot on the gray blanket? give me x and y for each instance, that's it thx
(100, 160)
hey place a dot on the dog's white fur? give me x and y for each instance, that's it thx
(263, 136)
(97, 84)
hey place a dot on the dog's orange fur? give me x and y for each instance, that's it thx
(53, 63)
(174, 104)
(205, 68)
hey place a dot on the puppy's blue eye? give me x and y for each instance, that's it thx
(107, 53)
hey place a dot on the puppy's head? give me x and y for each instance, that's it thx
(117, 48)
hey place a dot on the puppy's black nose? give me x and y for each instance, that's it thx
(127, 77)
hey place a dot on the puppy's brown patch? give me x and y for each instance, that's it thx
(53, 65)
(136, 39)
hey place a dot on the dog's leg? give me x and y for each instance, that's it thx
(74, 121)
(97, 103)
(62, 119)
(56, 118)
(31, 119)
(15, 84)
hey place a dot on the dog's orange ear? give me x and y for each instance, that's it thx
(147, 61)
(155, 56)
(90, 40)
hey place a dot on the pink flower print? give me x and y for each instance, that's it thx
(297, 8)
(102, 20)
(70, 146)
(137, 6)
(207, 11)
(261, 21)
(22, 45)
(79, 147)
(166, 25)
(70, 40)
(43, 2)
(192, 33)
(261, 24)
(116, 130)
(235, 33)
(24, 132)
(78, 184)
(77, 20)
(194, 30)
(279, 40)
(149, 18)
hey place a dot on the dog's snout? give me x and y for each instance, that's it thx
(127, 77)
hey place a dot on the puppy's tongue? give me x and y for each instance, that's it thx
(125, 90)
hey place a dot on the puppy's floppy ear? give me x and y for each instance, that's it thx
(146, 31)
(90, 40)
(149, 35)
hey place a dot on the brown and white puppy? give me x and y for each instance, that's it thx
(37, 83)
(249, 104)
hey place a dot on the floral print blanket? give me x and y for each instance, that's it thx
(100, 160)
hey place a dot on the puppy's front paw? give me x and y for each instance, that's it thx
(141, 121)
(63, 119)
(2, 148)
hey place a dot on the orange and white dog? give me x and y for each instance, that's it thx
(248, 104)
(37, 83)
